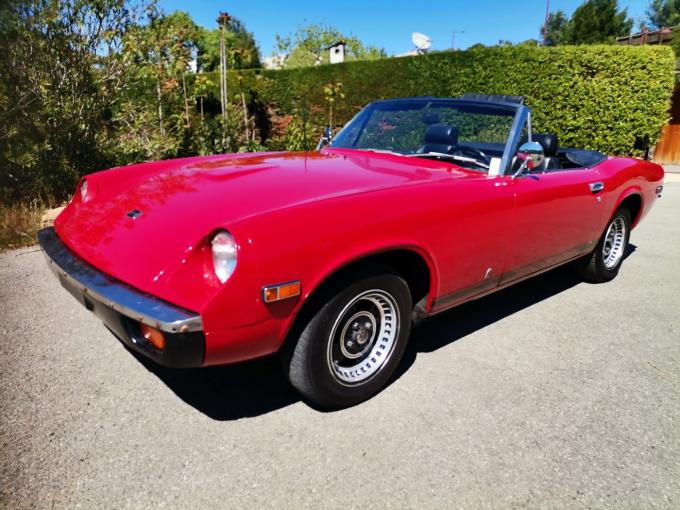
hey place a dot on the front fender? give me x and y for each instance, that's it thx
(343, 260)
(288, 312)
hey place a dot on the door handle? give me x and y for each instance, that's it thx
(596, 187)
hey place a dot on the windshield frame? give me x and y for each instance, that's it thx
(520, 113)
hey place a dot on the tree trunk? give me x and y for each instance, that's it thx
(201, 101)
(223, 100)
(226, 90)
(186, 101)
(221, 69)
(245, 115)
(159, 97)
(223, 83)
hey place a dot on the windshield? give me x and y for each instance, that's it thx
(469, 134)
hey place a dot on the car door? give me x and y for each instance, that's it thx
(557, 216)
(471, 237)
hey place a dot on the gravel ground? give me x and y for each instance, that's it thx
(554, 393)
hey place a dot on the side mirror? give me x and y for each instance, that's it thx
(325, 139)
(531, 155)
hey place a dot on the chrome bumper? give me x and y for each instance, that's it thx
(123, 308)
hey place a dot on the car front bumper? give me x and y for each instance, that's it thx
(123, 309)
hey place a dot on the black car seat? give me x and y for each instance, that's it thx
(549, 143)
(440, 138)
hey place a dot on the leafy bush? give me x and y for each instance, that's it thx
(300, 134)
(57, 79)
(610, 98)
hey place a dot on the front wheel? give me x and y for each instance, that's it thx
(351, 346)
(603, 264)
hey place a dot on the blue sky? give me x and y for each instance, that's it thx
(389, 23)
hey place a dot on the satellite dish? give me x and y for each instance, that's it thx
(422, 42)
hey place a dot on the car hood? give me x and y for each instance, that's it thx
(179, 203)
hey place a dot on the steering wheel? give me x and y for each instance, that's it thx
(474, 152)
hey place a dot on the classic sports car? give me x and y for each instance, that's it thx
(329, 257)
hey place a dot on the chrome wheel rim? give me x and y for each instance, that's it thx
(363, 337)
(614, 243)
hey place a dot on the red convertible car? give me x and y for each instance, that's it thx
(329, 257)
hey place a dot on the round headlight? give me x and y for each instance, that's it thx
(83, 190)
(224, 251)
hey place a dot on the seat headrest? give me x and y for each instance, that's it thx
(549, 143)
(442, 134)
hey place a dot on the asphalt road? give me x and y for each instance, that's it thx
(554, 393)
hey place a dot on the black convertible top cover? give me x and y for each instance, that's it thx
(584, 158)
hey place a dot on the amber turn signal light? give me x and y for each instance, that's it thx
(274, 293)
(153, 336)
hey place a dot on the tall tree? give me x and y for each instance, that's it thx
(598, 21)
(308, 46)
(237, 39)
(593, 22)
(157, 57)
(663, 13)
(556, 26)
(58, 78)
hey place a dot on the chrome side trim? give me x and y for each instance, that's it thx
(86, 282)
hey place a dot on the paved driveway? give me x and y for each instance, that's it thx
(554, 393)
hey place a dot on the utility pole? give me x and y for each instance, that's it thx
(222, 20)
(545, 22)
(453, 38)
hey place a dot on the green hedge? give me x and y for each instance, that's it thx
(610, 98)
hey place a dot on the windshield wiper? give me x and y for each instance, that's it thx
(455, 157)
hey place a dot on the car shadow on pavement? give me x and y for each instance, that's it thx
(229, 392)
(449, 326)
(258, 387)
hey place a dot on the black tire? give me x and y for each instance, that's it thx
(316, 365)
(594, 267)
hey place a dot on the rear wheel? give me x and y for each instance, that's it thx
(351, 346)
(603, 264)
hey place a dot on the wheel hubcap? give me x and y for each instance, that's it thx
(614, 243)
(363, 337)
(357, 335)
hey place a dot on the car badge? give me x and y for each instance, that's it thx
(134, 214)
